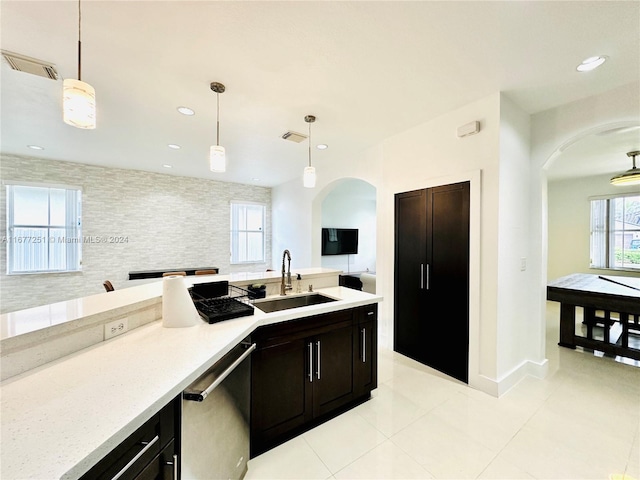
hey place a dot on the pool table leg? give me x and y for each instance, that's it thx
(567, 325)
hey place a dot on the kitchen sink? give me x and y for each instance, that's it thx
(284, 303)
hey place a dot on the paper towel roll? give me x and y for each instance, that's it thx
(178, 309)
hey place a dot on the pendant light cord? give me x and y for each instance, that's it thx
(309, 143)
(79, 42)
(218, 119)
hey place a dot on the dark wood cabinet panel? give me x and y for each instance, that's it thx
(306, 371)
(366, 359)
(280, 399)
(410, 262)
(332, 384)
(431, 320)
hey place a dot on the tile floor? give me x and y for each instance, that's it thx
(581, 422)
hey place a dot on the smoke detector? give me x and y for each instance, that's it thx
(294, 136)
(25, 64)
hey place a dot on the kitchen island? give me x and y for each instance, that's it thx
(61, 418)
(39, 335)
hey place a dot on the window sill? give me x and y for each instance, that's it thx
(50, 272)
(609, 269)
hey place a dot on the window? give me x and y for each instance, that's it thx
(615, 232)
(43, 229)
(247, 232)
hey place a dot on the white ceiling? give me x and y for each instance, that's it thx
(366, 70)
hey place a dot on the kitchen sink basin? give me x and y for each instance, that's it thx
(284, 303)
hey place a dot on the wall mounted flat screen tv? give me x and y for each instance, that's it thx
(339, 241)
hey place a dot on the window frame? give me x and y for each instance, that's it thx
(72, 229)
(233, 232)
(607, 231)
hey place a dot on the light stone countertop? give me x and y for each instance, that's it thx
(33, 321)
(58, 420)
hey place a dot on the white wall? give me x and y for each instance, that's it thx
(352, 204)
(169, 221)
(517, 354)
(291, 224)
(569, 228)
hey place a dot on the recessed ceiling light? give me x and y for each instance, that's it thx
(186, 111)
(591, 63)
(174, 146)
(35, 147)
(166, 165)
(322, 146)
(255, 179)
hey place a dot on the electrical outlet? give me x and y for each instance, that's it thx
(115, 328)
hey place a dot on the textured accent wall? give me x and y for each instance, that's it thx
(168, 222)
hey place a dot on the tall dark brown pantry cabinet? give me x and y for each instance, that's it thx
(431, 317)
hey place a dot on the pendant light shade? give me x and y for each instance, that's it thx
(78, 97)
(79, 100)
(630, 177)
(217, 159)
(309, 177)
(217, 156)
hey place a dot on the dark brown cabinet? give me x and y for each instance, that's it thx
(151, 452)
(431, 318)
(306, 371)
(331, 371)
(366, 361)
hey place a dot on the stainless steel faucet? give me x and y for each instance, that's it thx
(286, 286)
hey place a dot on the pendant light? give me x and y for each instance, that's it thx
(217, 157)
(78, 97)
(630, 177)
(309, 177)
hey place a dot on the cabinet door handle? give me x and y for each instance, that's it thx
(318, 359)
(422, 276)
(427, 276)
(147, 446)
(175, 466)
(364, 345)
(310, 361)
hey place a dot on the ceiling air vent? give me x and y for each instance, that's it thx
(294, 137)
(22, 63)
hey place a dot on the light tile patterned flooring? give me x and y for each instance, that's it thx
(581, 422)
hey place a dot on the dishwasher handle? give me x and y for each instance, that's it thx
(199, 397)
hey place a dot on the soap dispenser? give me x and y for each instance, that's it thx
(298, 287)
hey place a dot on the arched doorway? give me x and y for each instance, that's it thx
(351, 204)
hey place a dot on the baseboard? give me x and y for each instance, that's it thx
(499, 387)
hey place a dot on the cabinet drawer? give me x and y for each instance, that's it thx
(368, 313)
(163, 467)
(133, 455)
(301, 328)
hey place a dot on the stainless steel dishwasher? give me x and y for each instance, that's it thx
(215, 419)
